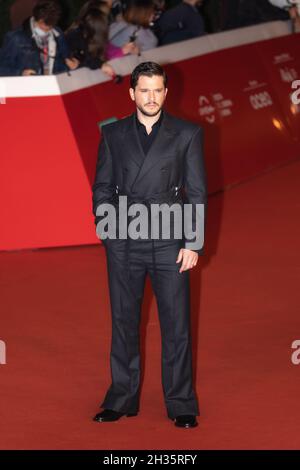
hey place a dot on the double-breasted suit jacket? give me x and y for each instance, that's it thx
(173, 169)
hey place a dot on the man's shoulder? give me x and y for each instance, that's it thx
(20, 35)
(116, 126)
(15, 36)
(182, 124)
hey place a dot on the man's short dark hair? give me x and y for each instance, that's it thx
(47, 10)
(148, 69)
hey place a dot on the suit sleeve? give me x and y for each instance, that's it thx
(195, 186)
(103, 187)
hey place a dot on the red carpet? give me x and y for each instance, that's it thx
(246, 313)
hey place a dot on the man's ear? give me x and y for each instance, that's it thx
(131, 92)
(166, 91)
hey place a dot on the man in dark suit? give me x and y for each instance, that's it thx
(150, 157)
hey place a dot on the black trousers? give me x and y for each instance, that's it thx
(128, 262)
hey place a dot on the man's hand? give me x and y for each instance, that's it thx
(72, 63)
(108, 70)
(295, 18)
(28, 72)
(293, 12)
(189, 259)
(130, 48)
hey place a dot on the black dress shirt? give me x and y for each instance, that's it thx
(145, 138)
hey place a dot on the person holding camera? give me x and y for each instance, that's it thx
(134, 25)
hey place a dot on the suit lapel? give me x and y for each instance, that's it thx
(132, 144)
(160, 146)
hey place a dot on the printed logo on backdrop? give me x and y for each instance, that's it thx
(258, 97)
(295, 96)
(295, 357)
(282, 58)
(215, 105)
(2, 92)
(287, 72)
(2, 352)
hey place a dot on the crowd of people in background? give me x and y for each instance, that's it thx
(106, 29)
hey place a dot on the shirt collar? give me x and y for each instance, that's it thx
(157, 123)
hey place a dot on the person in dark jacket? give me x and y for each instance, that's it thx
(180, 23)
(38, 47)
(240, 13)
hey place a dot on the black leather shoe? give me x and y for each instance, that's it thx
(111, 415)
(186, 421)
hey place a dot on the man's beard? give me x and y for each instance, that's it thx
(149, 113)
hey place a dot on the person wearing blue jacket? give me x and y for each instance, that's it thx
(38, 47)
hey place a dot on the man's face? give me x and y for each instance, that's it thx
(149, 94)
(42, 25)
